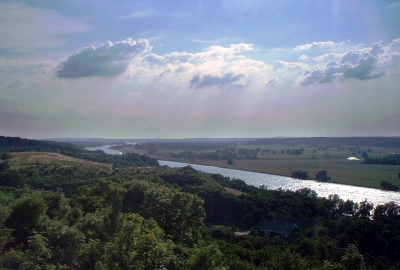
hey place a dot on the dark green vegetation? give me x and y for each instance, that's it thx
(15, 144)
(303, 175)
(388, 186)
(283, 156)
(322, 176)
(68, 216)
(393, 159)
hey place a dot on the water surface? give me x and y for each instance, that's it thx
(105, 149)
(345, 192)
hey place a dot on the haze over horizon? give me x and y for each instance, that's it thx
(199, 69)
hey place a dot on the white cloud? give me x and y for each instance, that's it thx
(321, 44)
(360, 64)
(105, 60)
(218, 66)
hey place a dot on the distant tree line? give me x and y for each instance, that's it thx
(17, 144)
(387, 160)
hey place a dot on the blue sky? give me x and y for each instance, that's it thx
(178, 69)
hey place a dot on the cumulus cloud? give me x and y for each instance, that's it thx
(218, 66)
(105, 60)
(221, 80)
(354, 64)
(174, 58)
(321, 44)
(279, 64)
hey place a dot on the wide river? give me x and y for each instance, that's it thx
(345, 192)
(356, 194)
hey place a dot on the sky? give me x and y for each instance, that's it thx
(199, 69)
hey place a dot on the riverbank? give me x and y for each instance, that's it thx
(273, 182)
(339, 168)
(341, 172)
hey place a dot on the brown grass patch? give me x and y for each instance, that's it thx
(22, 159)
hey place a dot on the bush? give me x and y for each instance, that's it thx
(388, 186)
(322, 176)
(300, 175)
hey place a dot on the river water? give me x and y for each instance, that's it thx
(345, 192)
(105, 148)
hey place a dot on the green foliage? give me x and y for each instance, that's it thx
(155, 219)
(118, 161)
(352, 259)
(387, 160)
(139, 244)
(185, 223)
(388, 186)
(300, 175)
(38, 251)
(389, 210)
(322, 176)
(364, 209)
(204, 257)
(16, 144)
(26, 215)
(4, 166)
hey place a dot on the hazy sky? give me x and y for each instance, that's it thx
(178, 69)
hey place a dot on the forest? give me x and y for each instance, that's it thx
(139, 215)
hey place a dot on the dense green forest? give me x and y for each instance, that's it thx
(151, 217)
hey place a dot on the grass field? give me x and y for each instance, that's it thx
(334, 161)
(22, 159)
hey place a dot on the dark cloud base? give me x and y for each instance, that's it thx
(106, 60)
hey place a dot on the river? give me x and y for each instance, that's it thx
(105, 148)
(345, 192)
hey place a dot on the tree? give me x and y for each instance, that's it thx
(26, 215)
(185, 223)
(388, 186)
(139, 244)
(352, 259)
(322, 176)
(230, 161)
(365, 208)
(39, 251)
(205, 257)
(300, 175)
